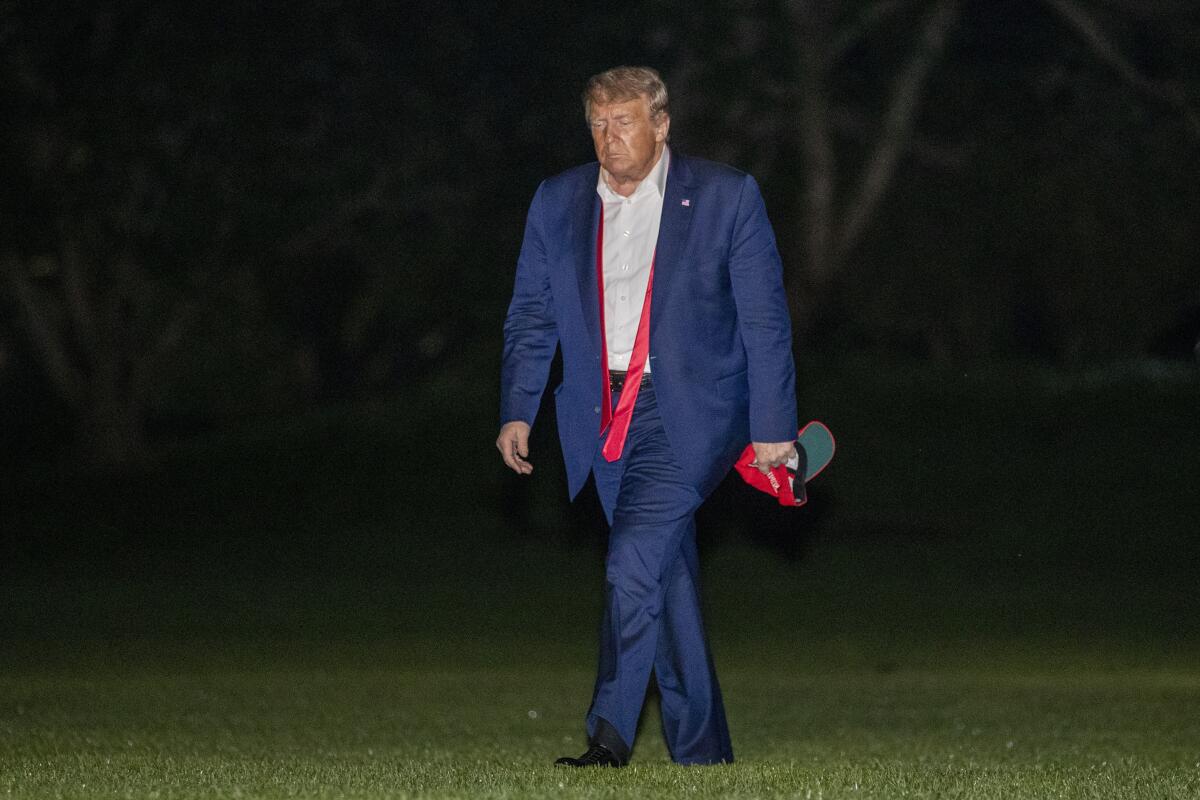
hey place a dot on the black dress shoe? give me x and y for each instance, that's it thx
(597, 755)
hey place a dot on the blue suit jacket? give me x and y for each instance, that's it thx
(720, 334)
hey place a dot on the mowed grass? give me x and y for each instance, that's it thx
(993, 594)
(375, 732)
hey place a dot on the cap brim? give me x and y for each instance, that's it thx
(817, 444)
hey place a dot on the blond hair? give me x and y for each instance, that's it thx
(619, 84)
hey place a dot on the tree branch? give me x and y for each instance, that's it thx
(1107, 51)
(46, 339)
(898, 124)
(179, 319)
(859, 126)
(361, 201)
(816, 141)
(79, 303)
(1152, 8)
(868, 19)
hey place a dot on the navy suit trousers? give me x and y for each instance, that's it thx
(652, 618)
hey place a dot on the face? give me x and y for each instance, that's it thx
(628, 142)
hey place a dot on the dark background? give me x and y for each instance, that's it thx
(254, 259)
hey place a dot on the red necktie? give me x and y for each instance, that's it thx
(621, 418)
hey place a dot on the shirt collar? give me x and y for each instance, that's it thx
(655, 181)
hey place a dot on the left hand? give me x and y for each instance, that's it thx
(771, 454)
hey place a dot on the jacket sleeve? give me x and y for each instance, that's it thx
(756, 275)
(530, 334)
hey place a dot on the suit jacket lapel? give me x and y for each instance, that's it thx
(585, 221)
(672, 235)
(672, 242)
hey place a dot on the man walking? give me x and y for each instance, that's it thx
(658, 277)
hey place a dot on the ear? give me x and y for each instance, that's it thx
(664, 126)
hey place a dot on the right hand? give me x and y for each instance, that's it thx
(513, 444)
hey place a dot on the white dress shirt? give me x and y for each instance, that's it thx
(630, 235)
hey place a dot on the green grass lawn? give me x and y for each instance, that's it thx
(284, 730)
(992, 595)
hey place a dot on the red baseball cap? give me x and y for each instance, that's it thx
(814, 450)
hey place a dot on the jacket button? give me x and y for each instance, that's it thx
(596, 409)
